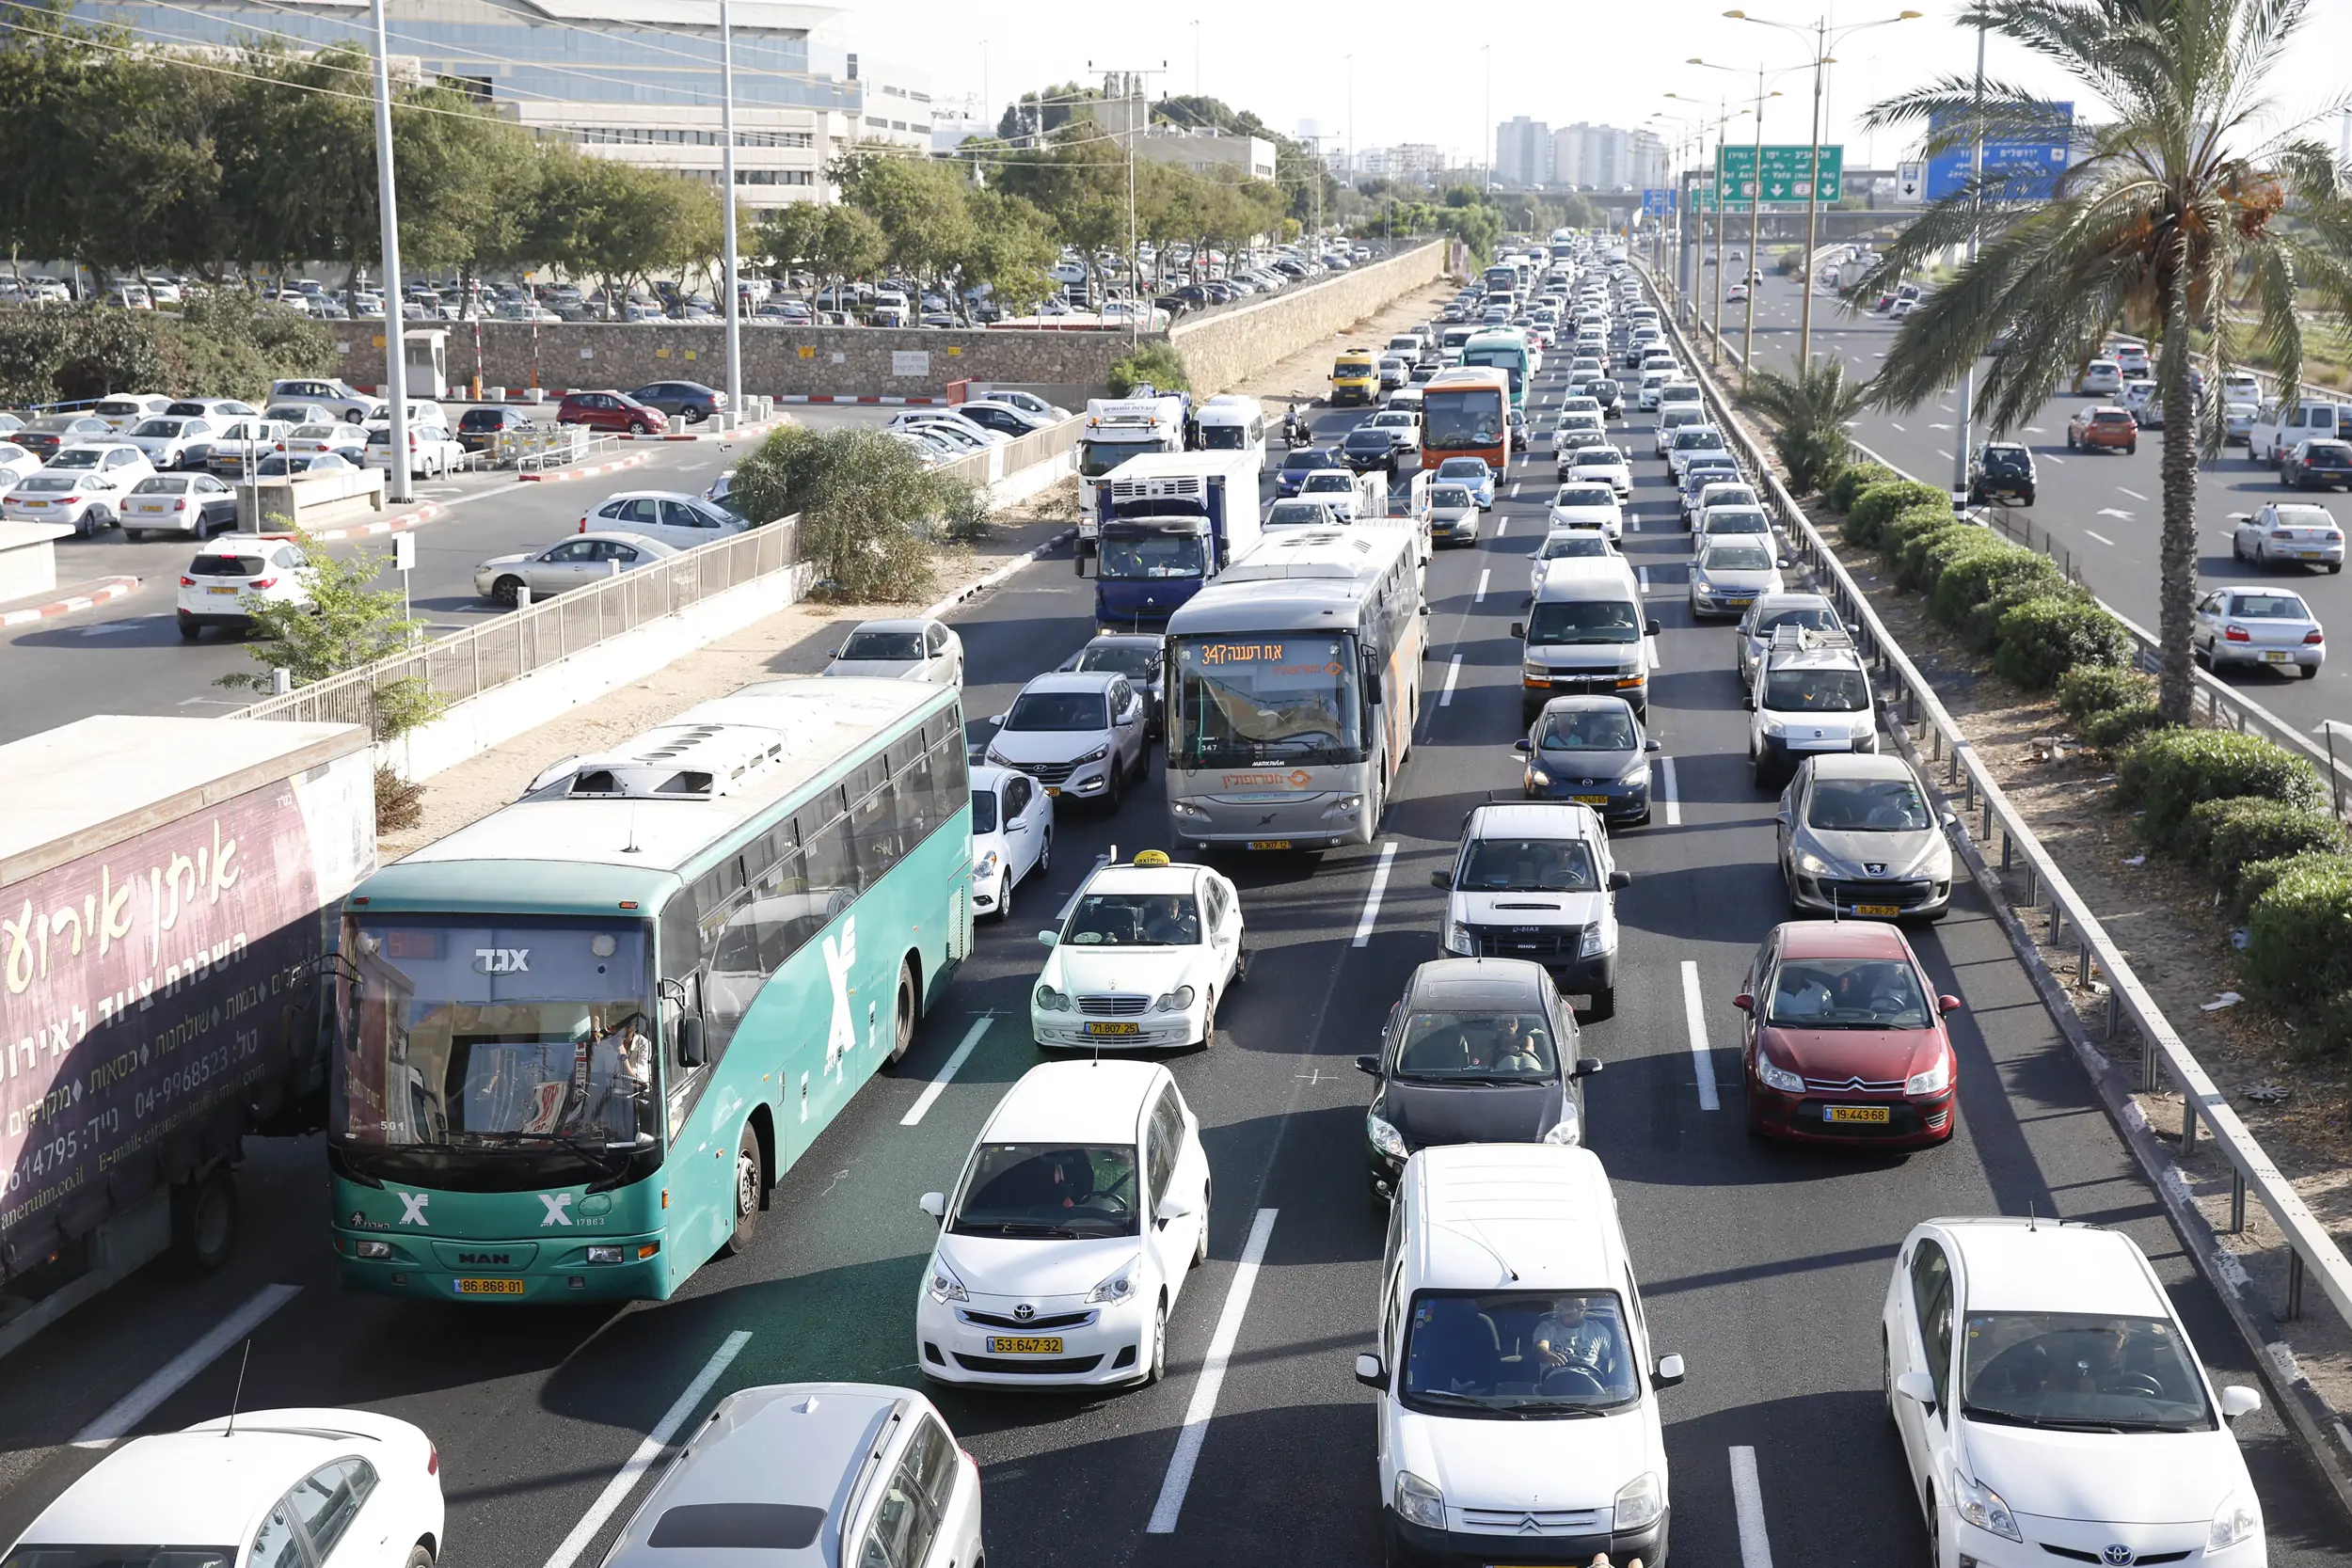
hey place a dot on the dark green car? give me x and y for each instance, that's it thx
(2001, 471)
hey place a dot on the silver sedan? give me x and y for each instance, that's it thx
(579, 561)
(2249, 624)
(1858, 838)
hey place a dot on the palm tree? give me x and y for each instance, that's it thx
(2189, 215)
(1809, 412)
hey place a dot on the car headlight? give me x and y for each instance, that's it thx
(1812, 864)
(1536, 775)
(1096, 756)
(1418, 1502)
(1174, 1002)
(1589, 945)
(1637, 776)
(1051, 1000)
(1700, 584)
(1776, 1077)
(1457, 938)
(1640, 1502)
(1119, 1286)
(986, 866)
(1775, 724)
(943, 1286)
(1385, 1138)
(1983, 1507)
(2237, 1518)
(1569, 1129)
(1934, 1081)
(995, 759)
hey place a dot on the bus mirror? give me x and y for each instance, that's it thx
(690, 1041)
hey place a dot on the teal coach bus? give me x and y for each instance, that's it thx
(576, 1042)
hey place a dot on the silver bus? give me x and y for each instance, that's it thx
(1293, 681)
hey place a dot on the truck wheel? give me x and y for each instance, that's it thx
(204, 1220)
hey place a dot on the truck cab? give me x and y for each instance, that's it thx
(1118, 429)
(1166, 524)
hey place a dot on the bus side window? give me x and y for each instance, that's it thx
(919, 799)
(874, 824)
(825, 842)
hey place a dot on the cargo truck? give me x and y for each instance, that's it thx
(1169, 523)
(1118, 429)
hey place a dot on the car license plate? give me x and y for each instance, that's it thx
(1854, 1112)
(1006, 1344)
(1269, 844)
(36, 503)
(1054, 790)
(2276, 656)
(1110, 1028)
(230, 592)
(1876, 909)
(488, 1286)
(1590, 799)
(1740, 603)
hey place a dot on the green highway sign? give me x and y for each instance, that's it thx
(1787, 175)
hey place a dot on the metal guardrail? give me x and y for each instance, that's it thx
(2046, 895)
(1022, 451)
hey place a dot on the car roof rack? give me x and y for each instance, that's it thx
(1808, 640)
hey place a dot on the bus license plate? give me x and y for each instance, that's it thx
(1006, 1344)
(1883, 911)
(2276, 656)
(1854, 1112)
(1111, 1028)
(488, 1286)
(1269, 844)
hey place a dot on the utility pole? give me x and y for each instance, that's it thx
(1485, 144)
(395, 348)
(1131, 83)
(1975, 228)
(733, 263)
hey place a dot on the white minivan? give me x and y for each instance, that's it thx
(1519, 1392)
(2276, 431)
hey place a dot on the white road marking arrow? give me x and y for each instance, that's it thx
(2111, 511)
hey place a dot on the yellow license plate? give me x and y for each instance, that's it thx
(1740, 603)
(1590, 799)
(228, 591)
(488, 1286)
(1854, 1112)
(36, 503)
(1269, 844)
(2275, 656)
(1111, 1029)
(1006, 1344)
(1052, 790)
(1881, 910)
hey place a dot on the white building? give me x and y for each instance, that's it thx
(1126, 116)
(1523, 151)
(1605, 158)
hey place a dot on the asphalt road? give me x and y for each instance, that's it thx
(127, 656)
(1763, 1266)
(2102, 508)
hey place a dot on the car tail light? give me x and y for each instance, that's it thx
(583, 525)
(179, 505)
(263, 582)
(2314, 635)
(2281, 533)
(432, 1460)
(187, 582)
(2235, 634)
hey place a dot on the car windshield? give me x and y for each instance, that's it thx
(1098, 455)
(1811, 617)
(157, 427)
(1335, 480)
(1868, 806)
(1296, 514)
(1471, 471)
(1847, 993)
(1438, 1046)
(1599, 457)
(897, 647)
(1586, 495)
(1592, 729)
(1157, 555)
(2268, 607)
(1575, 622)
(1059, 710)
(78, 457)
(1686, 440)
(1132, 660)
(2078, 1371)
(1307, 457)
(1528, 866)
(1561, 545)
(1736, 558)
(1133, 920)
(1048, 1191)
(1515, 1355)
(1451, 495)
(1828, 690)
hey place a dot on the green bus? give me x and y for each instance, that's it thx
(1505, 349)
(576, 1042)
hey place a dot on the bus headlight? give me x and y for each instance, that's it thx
(1347, 805)
(1186, 810)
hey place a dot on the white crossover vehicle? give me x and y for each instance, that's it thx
(1012, 834)
(1080, 732)
(1536, 880)
(2052, 1407)
(1064, 1247)
(908, 650)
(1142, 960)
(1589, 504)
(1604, 465)
(1811, 694)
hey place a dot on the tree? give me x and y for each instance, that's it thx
(2185, 214)
(867, 506)
(1808, 411)
(349, 623)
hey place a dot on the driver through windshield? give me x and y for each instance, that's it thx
(1867, 806)
(1849, 994)
(1053, 1190)
(1478, 1047)
(2074, 1369)
(1564, 621)
(1529, 866)
(1831, 690)
(1512, 1353)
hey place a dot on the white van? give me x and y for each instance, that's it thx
(1585, 635)
(2276, 431)
(1518, 1391)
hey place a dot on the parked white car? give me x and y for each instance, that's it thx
(194, 505)
(1080, 732)
(910, 649)
(1145, 955)
(1013, 835)
(1081, 1210)
(2050, 1403)
(433, 451)
(169, 442)
(84, 501)
(677, 519)
(125, 409)
(581, 561)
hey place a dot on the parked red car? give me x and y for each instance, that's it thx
(615, 413)
(2102, 425)
(1845, 1038)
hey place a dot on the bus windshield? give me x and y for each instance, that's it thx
(469, 1038)
(1266, 699)
(1454, 421)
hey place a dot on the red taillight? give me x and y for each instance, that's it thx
(432, 1460)
(583, 525)
(68, 500)
(187, 582)
(263, 582)
(2235, 634)
(2314, 635)
(2280, 533)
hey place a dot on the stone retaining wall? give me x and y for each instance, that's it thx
(1226, 349)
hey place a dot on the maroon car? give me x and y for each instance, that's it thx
(1845, 1038)
(614, 413)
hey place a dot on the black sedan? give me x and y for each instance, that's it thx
(689, 401)
(1606, 391)
(1369, 447)
(1591, 749)
(478, 429)
(2317, 463)
(1476, 1050)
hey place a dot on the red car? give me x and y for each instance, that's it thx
(1845, 1038)
(2103, 426)
(614, 412)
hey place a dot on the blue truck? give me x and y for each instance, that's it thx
(1168, 522)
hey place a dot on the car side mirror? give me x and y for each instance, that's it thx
(1653, 744)
(2238, 1400)
(1518, 629)
(1745, 1002)
(1620, 880)
(1586, 1067)
(995, 720)
(1442, 879)
(1748, 702)
(933, 1204)
(1948, 1004)
(1918, 1388)
(1047, 939)
(1669, 1373)
(1520, 746)
(1649, 628)
(1368, 1066)
(690, 1051)
(1369, 1372)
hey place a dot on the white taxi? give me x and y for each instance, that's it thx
(1142, 959)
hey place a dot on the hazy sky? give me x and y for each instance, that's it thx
(1607, 61)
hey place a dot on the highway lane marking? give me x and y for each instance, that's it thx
(2134, 493)
(1666, 787)
(1480, 597)
(1702, 1056)
(1656, 660)
(1453, 673)
(1642, 573)
(2054, 458)
(1514, 489)
(1374, 893)
(1942, 453)
(2101, 537)
(1194, 1432)
(1502, 524)
(616, 1491)
(932, 1090)
(1747, 1496)
(174, 1374)
(1892, 425)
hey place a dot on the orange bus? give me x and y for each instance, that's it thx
(1465, 412)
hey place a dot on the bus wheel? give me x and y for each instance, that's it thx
(749, 1182)
(902, 1014)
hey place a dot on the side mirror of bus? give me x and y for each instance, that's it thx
(690, 1041)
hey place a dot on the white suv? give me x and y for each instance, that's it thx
(1812, 693)
(1534, 879)
(233, 573)
(1080, 732)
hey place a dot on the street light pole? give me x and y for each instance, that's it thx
(395, 348)
(1975, 229)
(733, 266)
(1755, 214)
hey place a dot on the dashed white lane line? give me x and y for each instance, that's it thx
(1702, 1058)
(616, 1491)
(1514, 489)
(1942, 453)
(1453, 673)
(1666, 787)
(2134, 493)
(1503, 526)
(1747, 1498)
(1194, 1432)
(174, 1374)
(2101, 537)
(2054, 458)
(1373, 895)
(1892, 425)
(1655, 662)
(932, 1090)
(1480, 597)
(1641, 574)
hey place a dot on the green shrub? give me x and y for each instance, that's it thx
(2256, 878)
(1907, 525)
(1928, 555)
(2169, 772)
(2299, 947)
(1873, 506)
(1851, 480)
(2097, 689)
(2111, 729)
(2042, 639)
(1967, 582)
(2238, 833)
(1980, 626)
(1156, 365)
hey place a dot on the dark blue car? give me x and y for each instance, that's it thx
(1592, 750)
(1299, 463)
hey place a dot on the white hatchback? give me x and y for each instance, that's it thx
(1065, 1245)
(678, 520)
(1588, 504)
(1013, 835)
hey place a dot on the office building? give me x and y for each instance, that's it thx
(1125, 114)
(1523, 153)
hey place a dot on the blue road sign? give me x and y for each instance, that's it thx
(2027, 170)
(1658, 200)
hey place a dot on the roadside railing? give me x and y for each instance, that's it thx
(2040, 889)
(1022, 451)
